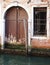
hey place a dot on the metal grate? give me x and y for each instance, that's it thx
(40, 20)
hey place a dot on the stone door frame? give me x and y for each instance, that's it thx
(3, 21)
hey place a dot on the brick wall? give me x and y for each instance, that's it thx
(36, 43)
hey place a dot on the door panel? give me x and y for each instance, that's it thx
(11, 14)
(15, 23)
(11, 22)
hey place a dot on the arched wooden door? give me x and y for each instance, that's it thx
(16, 25)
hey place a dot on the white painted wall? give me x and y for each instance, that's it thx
(0, 20)
(2, 27)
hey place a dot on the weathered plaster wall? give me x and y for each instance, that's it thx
(5, 4)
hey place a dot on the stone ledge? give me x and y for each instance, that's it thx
(35, 52)
(11, 51)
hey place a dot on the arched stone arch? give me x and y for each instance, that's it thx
(15, 4)
(3, 20)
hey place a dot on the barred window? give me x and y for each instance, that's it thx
(40, 14)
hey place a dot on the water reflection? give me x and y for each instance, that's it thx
(23, 60)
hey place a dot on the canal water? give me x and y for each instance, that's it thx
(6, 59)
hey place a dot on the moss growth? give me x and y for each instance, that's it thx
(13, 46)
(40, 51)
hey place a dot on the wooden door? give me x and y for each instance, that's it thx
(15, 26)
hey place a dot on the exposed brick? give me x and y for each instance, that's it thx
(40, 43)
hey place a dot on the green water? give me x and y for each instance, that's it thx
(23, 60)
